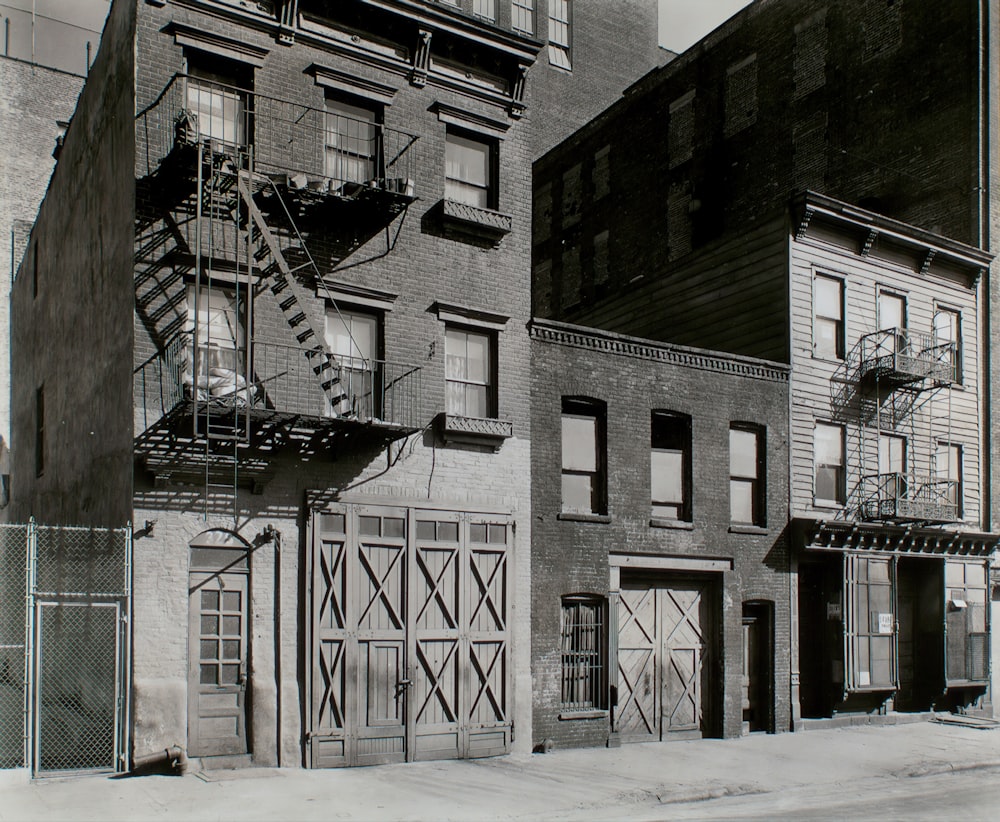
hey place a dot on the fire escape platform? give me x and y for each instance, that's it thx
(245, 442)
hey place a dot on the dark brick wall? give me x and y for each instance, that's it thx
(871, 103)
(571, 557)
(72, 334)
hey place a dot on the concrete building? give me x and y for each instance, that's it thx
(660, 558)
(292, 240)
(877, 300)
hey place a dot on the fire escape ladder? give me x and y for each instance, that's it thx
(280, 279)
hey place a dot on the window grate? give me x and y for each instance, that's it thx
(583, 654)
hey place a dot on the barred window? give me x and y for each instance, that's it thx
(583, 652)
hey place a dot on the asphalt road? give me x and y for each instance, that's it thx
(968, 796)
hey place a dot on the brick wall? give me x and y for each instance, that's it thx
(570, 557)
(34, 101)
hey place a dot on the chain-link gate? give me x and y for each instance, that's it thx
(64, 647)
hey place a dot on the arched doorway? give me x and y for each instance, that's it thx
(218, 643)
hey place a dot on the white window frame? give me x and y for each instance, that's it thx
(840, 498)
(755, 480)
(956, 336)
(454, 336)
(458, 185)
(522, 16)
(561, 34)
(840, 323)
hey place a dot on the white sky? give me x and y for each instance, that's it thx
(684, 22)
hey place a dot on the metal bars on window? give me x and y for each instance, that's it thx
(583, 645)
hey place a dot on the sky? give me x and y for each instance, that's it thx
(684, 22)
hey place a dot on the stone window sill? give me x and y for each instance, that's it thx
(570, 516)
(675, 524)
(747, 529)
(571, 715)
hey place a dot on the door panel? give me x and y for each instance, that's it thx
(217, 663)
(409, 635)
(663, 654)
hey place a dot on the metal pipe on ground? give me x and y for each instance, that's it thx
(170, 760)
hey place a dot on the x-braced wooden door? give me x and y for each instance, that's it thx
(410, 646)
(664, 651)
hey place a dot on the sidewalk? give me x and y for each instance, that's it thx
(561, 784)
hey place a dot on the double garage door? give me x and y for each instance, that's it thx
(665, 659)
(409, 637)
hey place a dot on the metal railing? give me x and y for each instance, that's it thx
(319, 149)
(906, 497)
(281, 379)
(899, 352)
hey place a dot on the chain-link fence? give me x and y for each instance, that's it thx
(64, 647)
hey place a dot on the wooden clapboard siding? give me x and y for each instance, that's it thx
(732, 297)
(945, 415)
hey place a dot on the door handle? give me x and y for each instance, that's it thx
(401, 687)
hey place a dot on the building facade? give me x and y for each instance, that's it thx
(299, 270)
(660, 561)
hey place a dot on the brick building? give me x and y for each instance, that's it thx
(660, 585)
(876, 299)
(296, 265)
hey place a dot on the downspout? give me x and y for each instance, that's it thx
(983, 241)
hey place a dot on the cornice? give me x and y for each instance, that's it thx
(609, 343)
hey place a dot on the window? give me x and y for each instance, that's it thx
(828, 324)
(583, 462)
(213, 314)
(892, 466)
(891, 311)
(469, 171)
(351, 143)
(218, 95)
(353, 338)
(40, 431)
(670, 466)
(583, 652)
(746, 475)
(829, 460)
(966, 627)
(469, 373)
(948, 474)
(522, 16)
(486, 9)
(948, 329)
(559, 34)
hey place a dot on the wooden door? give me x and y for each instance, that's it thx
(409, 635)
(380, 554)
(663, 657)
(217, 663)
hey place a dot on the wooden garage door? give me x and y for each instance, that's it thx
(410, 645)
(664, 656)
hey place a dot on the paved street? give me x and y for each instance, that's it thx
(924, 770)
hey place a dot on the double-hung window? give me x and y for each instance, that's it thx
(353, 338)
(746, 475)
(485, 9)
(828, 317)
(522, 16)
(351, 142)
(828, 444)
(469, 170)
(948, 474)
(560, 34)
(583, 459)
(583, 651)
(219, 96)
(948, 335)
(469, 372)
(892, 466)
(670, 466)
(217, 357)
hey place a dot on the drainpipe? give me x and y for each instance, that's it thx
(171, 759)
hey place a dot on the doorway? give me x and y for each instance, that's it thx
(218, 647)
(758, 667)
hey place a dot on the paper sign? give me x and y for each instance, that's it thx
(885, 623)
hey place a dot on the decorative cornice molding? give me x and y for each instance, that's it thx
(821, 535)
(192, 37)
(455, 116)
(448, 312)
(607, 342)
(352, 84)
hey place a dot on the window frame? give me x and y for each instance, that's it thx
(455, 186)
(841, 499)
(840, 323)
(373, 162)
(491, 371)
(523, 9)
(885, 294)
(958, 358)
(560, 50)
(596, 410)
(757, 482)
(947, 447)
(583, 671)
(223, 77)
(684, 425)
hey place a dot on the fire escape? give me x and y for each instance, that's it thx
(243, 202)
(895, 384)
